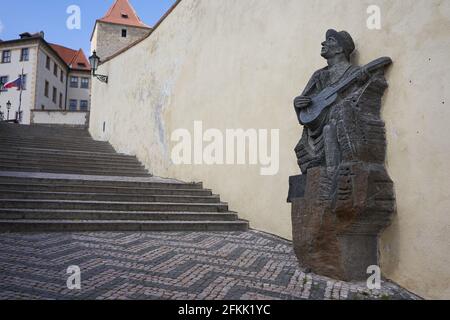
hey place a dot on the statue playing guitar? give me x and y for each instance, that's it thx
(327, 88)
(344, 197)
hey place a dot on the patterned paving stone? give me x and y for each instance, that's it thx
(189, 266)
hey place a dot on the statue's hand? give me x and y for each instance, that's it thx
(302, 102)
(364, 76)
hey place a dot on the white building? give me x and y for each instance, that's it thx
(56, 78)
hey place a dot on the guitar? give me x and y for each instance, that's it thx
(330, 94)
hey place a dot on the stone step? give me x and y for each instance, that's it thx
(69, 163)
(27, 131)
(52, 139)
(44, 149)
(58, 146)
(119, 225)
(38, 214)
(108, 182)
(54, 178)
(61, 147)
(40, 195)
(56, 140)
(8, 155)
(137, 172)
(74, 168)
(122, 173)
(112, 205)
(105, 149)
(40, 130)
(104, 189)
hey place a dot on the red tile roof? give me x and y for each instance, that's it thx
(73, 58)
(177, 2)
(122, 12)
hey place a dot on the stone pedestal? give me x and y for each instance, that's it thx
(336, 234)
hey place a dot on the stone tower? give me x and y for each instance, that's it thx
(119, 28)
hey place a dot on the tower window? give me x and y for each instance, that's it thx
(124, 15)
(124, 33)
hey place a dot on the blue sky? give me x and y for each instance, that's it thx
(50, 16)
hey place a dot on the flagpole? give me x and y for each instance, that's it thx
(20, 98)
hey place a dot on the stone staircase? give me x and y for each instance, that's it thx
(60, 179)
(61, 150)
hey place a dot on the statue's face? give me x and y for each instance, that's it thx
(330, 48)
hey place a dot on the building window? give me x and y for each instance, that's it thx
(124, 33)
(3, 81)
(25, 54)
(55, 92)
(24, 82)
(46, 88)
(55, 69)
(73, 105)
(85, 83)
(60, 100)
(83, 105)
(6, 56)
(47, 63)
(61, 77)
(42, 107)
(74, 82)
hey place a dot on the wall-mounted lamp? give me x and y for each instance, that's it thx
(95, 61)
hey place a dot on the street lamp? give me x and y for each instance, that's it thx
(94, 60)
(8, 106)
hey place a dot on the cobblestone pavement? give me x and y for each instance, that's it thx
(188, 265)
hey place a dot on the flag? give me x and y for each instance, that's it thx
(13, 84)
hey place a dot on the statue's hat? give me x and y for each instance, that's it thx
(344, 39)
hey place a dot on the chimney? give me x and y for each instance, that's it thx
(25, 35)
(42, 34)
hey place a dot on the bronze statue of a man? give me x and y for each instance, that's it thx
(320, 135)
(344, 197)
